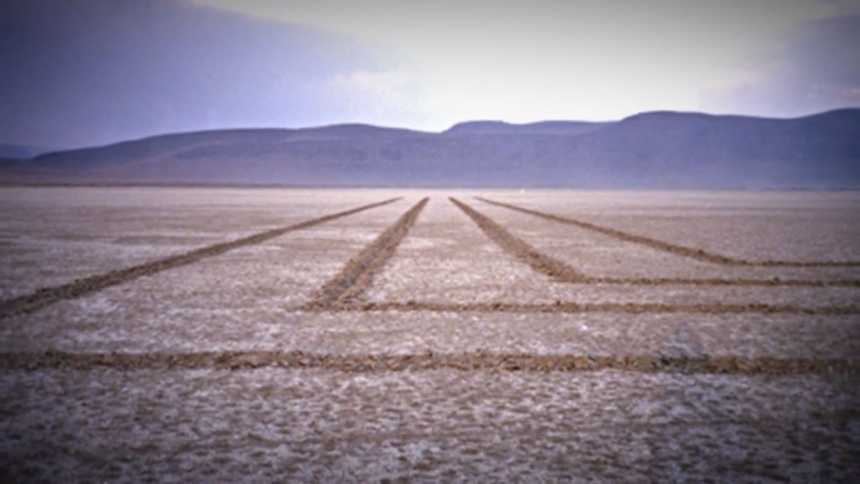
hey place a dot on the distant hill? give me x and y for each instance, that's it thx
(20, 152)
(542, 127)
(655, 149)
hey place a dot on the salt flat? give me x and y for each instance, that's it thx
(799, 225)
(51, 235)
(274, 424)
(438, 285)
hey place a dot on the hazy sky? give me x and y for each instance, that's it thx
(94, 71)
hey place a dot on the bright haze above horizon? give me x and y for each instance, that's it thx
(87, 72)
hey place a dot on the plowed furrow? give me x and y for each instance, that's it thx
(622, 308)
(477, 361)
(679, 281)
(355, 277)
(563, 272)
(519, 248)
(80, 287)
(669, 247)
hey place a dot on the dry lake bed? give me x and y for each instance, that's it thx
(225, 334)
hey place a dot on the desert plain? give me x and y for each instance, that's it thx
(263, 334)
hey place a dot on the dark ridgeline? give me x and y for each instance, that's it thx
(655, 149)
(20, 152)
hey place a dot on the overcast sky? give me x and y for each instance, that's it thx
(81, 72)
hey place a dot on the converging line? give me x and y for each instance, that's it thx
(49, 295)
(669, 247)
(356, 276)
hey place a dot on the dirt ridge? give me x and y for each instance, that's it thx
(470, 361)
(563, 272)
(79, 287)
(622, 308)
(667, 246)
(519, 248)
(716, 281)
(350, 283)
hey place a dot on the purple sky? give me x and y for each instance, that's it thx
(83, 72)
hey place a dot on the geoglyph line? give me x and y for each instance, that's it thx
(715, 281)
(473, 361)
(563, 272)
(355, 277)
(562, 307)
(519, 248)
(669, 247)
(80, 287)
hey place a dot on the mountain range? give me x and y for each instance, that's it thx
(648, 150)
(10, 151)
